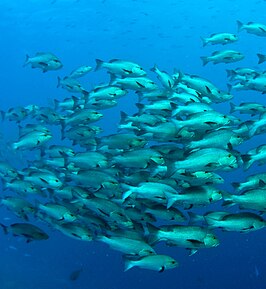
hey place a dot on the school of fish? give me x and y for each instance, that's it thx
(139, 186)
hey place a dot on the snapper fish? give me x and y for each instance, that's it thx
(223, 56)
(158, 263)
(207, 159)
(121, 67)
(45, 61)
(190, 237)
(15, 114)
(41, 178)
(71, 85)
(57, 212)
(28, 231)
(257, 154)
(244, 222)
(252, 28)
(166, 80)
(251, 108)
(127, 245)
(135, 83)
(254, 199)
(80, 71)
(253, 181)
(219, 38)
(32, 140)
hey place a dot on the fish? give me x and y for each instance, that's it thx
(121, 67)
(140, 83)
(127, 246)
(223, 56)
(32, 140)
(244, 222)
(56, 211)
(190, 237)
(46, 61)
(252, 181)
(28, 231)
(71, 84)
(254, 199)
(254, 155)
(166, 79)
(258, 29)
(219, 38)
(158, 263)
(80, 71)
(208, 159)
(251, 108)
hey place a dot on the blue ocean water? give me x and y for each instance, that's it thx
(166, 33)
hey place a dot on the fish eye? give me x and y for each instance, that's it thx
(56, 181)
(173, 262)
(229, 155)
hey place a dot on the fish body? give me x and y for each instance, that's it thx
(158, 263)
(58, 212)
(128, 246)
(220, 38)
(223, 56)
(238, 222)
(252, 28)
(121, 67)
(44, 61)
(29, 231)
(71, 84)
(135, 83)
(80, 71)
(191, 237)
(254, 199)
(166, 80)
(208, 159)
(32, 140)
(253, 181)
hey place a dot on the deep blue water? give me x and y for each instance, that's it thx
(163, 32)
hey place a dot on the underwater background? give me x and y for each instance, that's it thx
(166, 33)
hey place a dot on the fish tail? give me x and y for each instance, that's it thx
(228, 200)
(229, 87)
(76, 101)
(58, 81)
(154, 68)
(128, 264)
(230, 73)
(204, 59)
(3, 114)
(239, 25)
(194, 218)
(232, 107)
(5, 228)
(63, 126)
(56, 104)
(248, 161)
(123, 117)
(170, 202)
(235, 185)
(140, 106)
(26, 60)
(262, 58)
(112, 79)
(204, 41)
(99, 64)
